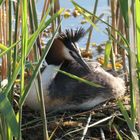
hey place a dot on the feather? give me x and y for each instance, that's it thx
(71, 35)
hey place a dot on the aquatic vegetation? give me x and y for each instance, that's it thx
(25, 39)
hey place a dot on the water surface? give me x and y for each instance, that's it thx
(98, 35)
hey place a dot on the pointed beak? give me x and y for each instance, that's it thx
(82, 62)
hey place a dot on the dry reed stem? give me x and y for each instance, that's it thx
(3, 40)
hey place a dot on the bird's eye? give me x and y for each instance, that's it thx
(70, 52)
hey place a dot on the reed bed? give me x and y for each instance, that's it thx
(22, 52)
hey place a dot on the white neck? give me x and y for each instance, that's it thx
(48, 75)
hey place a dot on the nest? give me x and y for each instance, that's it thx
(101, 122)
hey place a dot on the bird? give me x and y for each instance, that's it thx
(62, 92)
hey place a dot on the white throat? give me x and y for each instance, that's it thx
(48, 75)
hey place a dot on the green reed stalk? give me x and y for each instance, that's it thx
(24, 43)
(131, 50)
(85, 11)
(6, 108)
(46, 137)
(31, 41)
(34, 26)
(1, 2)
(8, 119)
(137, 7)
(108, 48)
(9, 59)
(38, 66)
(134, 90)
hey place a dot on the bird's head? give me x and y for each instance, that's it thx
(65, 47)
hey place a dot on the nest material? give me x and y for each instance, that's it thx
(72, 125)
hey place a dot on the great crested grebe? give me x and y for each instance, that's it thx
(62, 92)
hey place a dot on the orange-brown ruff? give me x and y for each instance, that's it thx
(62, 92)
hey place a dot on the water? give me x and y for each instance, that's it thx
(98, 36)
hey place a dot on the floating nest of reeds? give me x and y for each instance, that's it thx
(102, 122)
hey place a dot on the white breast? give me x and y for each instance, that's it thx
(46, 77)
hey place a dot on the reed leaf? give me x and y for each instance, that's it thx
(108, 47)
(9, 55)
(85, 11)
(79, 79)
(3, 97)
(38, 67)
(37, 53)
(34, 14)
(125, 47)
(41, 27)
(3, 47)
(31, 41)
(1, 2)
(7, 111)
(7, 49)
(24, 43)
(124, 11)
(128, 120)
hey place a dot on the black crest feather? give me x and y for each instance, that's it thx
(72, 35)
